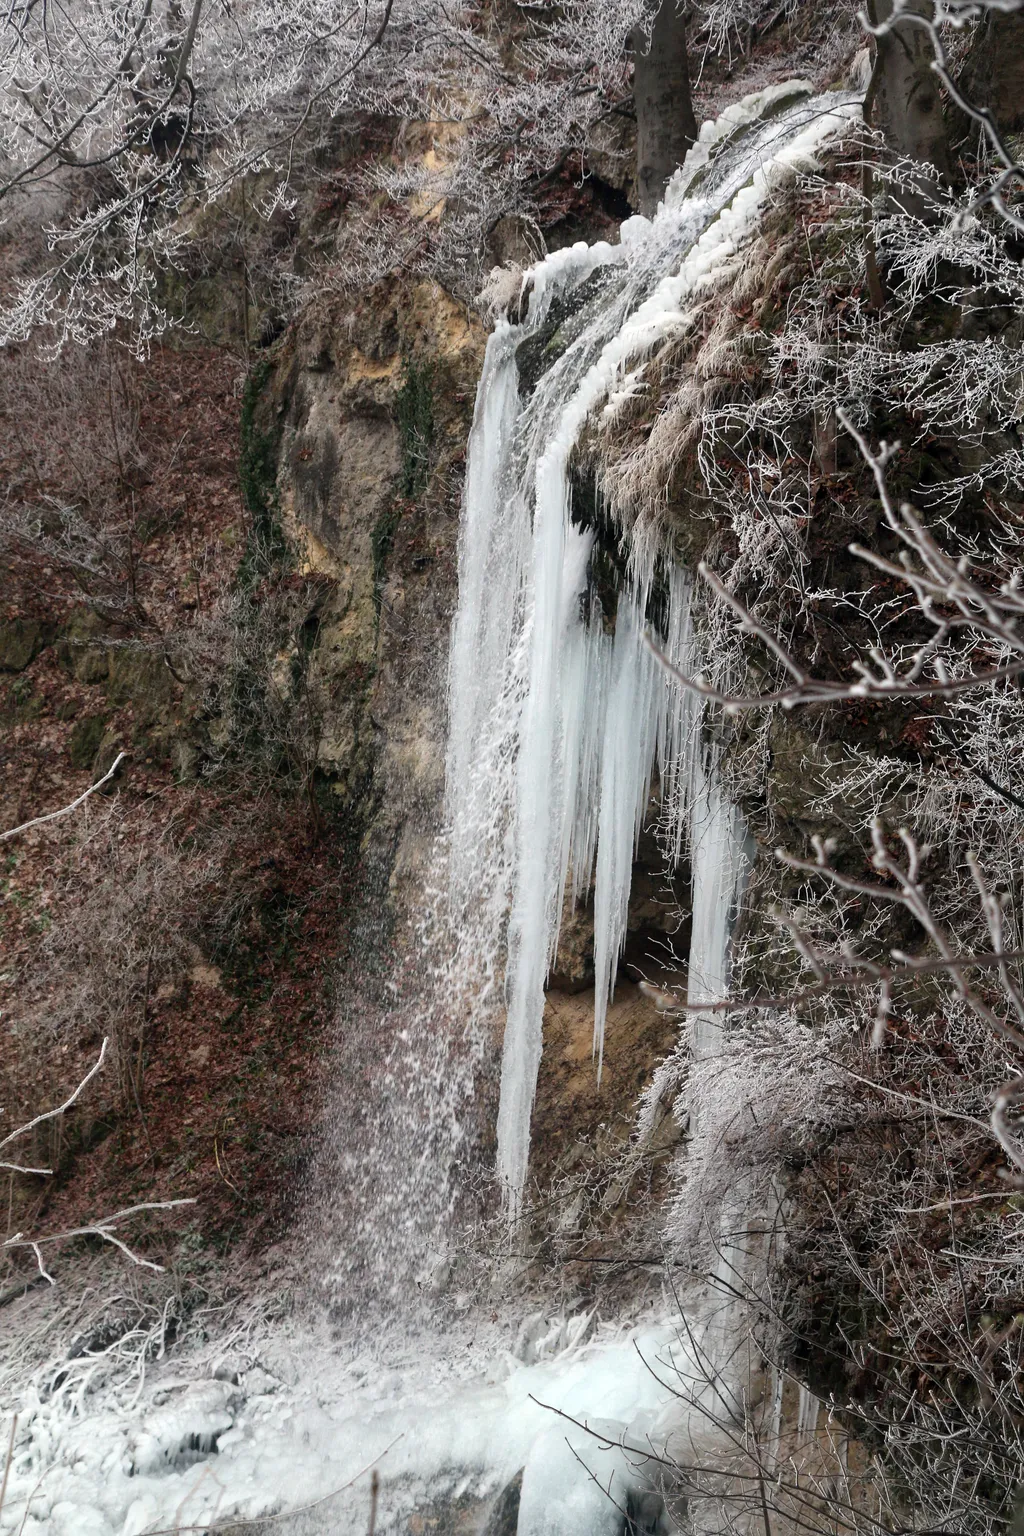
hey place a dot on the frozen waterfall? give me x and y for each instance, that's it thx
(560, 717)
(561, 725)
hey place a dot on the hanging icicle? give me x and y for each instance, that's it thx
(559, 714)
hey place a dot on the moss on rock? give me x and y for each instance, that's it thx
(85, 740)
(21, 640)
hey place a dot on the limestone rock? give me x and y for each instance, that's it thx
(85, 740)
(81, 649)
(348, 392)
(515, 241)
(139, 676)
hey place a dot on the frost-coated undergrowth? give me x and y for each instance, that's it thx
(128, 129)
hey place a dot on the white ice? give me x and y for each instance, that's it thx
(305, 1419)
(556, 725)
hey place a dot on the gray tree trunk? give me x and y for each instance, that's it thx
(994, 74)
(665, 124)
(906, 98)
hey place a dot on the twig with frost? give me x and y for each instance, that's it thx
(945, 594)
(50, 1114)
(38, 821)
(749, 1476)
(855, 972)
(102, 1229)
(952, 601)
(908, 890)
(592, 1477)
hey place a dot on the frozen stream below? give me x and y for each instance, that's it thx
(289, 1419)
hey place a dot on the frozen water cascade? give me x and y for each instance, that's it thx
(287, 1423)
(557, 726)
(560, 719)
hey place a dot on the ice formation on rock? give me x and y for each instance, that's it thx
(436, 1422)
(557, 724)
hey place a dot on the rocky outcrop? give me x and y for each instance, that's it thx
(372, 408)
(20, 641)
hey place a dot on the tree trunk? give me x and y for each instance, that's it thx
(665, 124)
(907, 101)
(993, 76)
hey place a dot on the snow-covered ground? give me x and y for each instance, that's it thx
(282, 1417)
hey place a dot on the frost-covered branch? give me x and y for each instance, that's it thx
(947, 596)
(50, 1114)
(907, 888)
(122, 124)
(39, 821)
(103, 1229)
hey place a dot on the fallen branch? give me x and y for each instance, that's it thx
(102, 1229)
(50, 1114)
(65, 810)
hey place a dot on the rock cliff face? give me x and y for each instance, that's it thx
(258, 997)
(371, 409)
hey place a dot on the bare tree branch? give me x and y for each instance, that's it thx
(103, 1229)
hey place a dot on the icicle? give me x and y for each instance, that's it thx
(559, 564)
(635, 704)
(719, 860)
(807, 1411)
(487, 543)
(556, 726)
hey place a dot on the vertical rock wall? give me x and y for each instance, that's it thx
(373, 406)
